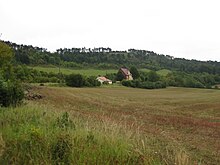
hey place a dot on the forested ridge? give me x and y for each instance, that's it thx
(104, 58)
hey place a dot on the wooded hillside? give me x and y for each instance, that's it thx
(107, 58)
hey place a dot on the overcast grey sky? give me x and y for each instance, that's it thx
(180, 28)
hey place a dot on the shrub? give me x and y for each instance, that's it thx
(137, 83)
(160, 84)
(126, 83)
(53, 79)
(198, 85)
(75, 80)
(192, 83)
(148, 85)
(11, 93)
(208, 86)
(92, 82)
(65, 122)
(145, 84)
(41, 79)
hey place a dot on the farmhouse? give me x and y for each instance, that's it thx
(126, 73)
(104, 80)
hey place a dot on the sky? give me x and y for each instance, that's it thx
(181, 28)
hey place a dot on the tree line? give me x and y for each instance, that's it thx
(152, 80)
(106, 58)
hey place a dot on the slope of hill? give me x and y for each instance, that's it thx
(106, 58)
(67, 71)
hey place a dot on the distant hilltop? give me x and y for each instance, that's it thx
(106, 58)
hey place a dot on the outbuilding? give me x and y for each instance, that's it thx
(104, 80)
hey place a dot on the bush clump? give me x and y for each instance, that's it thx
(11, 93)
(144, 84)
(78, 80)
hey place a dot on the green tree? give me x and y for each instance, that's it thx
(134, 72)
(153, 76)
(6, 54)
(119, 76)
(92, 82)
(75, 80)
(11, 93)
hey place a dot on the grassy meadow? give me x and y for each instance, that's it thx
(113, 125)
(162, 72)
(89, 72)
(67, 71)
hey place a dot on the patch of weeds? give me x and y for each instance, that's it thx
(28, 146)
(90, 138)
(65, 122)
(62, 149)
(2, 145)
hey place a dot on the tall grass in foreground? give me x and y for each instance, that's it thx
(34, 135)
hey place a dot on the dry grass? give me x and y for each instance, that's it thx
(2, 145)
(186, 118)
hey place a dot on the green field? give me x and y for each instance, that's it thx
(90, 72)
(114, 125)
(86, 72)
(162, 72)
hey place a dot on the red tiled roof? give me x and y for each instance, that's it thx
(103, 79)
